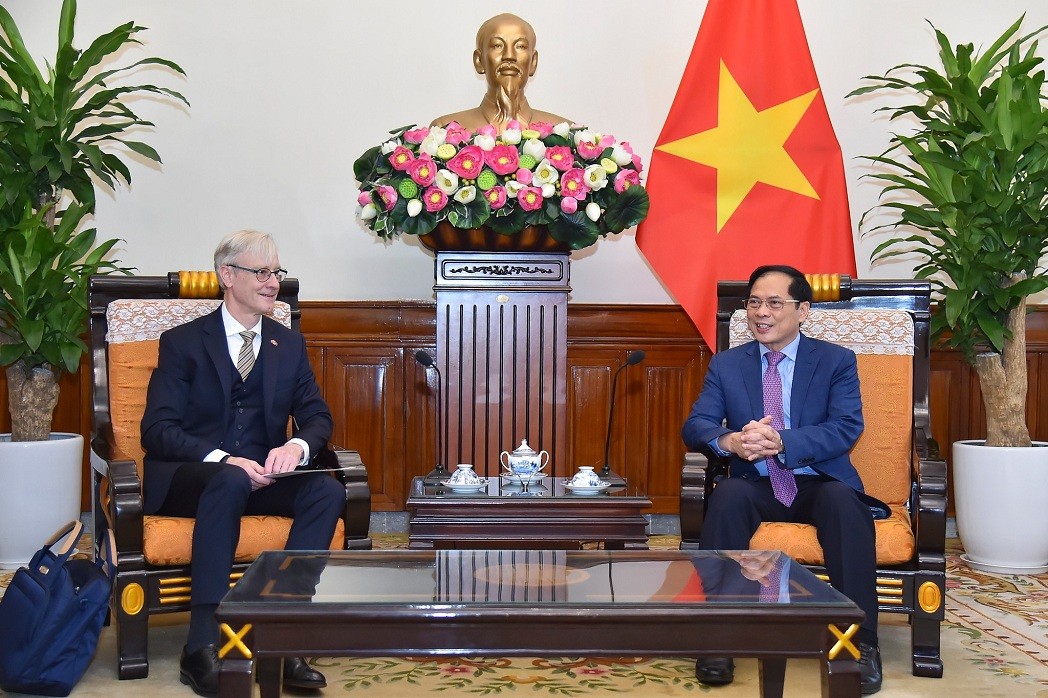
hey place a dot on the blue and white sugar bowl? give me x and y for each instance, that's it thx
(524, 460)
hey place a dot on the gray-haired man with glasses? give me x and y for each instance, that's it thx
(786, 409)
(215, 430)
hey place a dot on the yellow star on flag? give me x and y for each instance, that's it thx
(746, 146)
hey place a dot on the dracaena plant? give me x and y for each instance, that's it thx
(63, 129)
(968, 190)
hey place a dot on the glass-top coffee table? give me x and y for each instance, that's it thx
(617, 603)
(542, 513)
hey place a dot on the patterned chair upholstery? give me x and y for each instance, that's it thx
(128, 314)
(886, 324)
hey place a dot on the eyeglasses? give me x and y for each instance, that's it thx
(262, 274)
(772, 303)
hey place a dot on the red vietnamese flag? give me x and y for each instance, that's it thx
(747, 169)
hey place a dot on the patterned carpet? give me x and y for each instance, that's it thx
(995, 643)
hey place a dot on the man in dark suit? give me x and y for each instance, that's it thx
(786, 408)
(215, 429)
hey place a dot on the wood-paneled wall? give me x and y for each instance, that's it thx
(363, 353)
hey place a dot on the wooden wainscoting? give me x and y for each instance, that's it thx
(383, 403)
(363, 354)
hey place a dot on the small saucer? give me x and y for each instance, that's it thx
(465, 488)
(587, 489)
(1004, 569)
(521, 479)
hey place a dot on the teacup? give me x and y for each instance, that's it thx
(524, 461)
(464, 475)
(586, 477)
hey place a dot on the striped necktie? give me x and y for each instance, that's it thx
(246, 360)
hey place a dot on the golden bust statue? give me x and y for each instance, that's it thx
(506, 57)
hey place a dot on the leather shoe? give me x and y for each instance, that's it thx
(870, 676)
(199, 670)
(298, 674)
(715, 671)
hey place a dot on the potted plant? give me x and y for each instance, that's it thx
(970, 186)
(572, 182)
(57, 127)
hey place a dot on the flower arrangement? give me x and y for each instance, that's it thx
(578, 183)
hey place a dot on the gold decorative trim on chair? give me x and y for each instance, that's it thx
(871, 331)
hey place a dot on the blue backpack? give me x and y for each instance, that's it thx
(52, 615)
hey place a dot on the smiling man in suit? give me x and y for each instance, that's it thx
(215, 429)
(786, 408)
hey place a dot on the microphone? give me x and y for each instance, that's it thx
(633, 357)
(440, 470)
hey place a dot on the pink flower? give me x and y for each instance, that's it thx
(636, 158)
(589, 150)
(573, 184)
(524, 175)
(502, 159)
(400, 158)
(496, 197)
(626, 179)
(542, 127)
(513, 125)
(416, 135)
(456, 134)
(530, 198)
(388, 195)
(423, 171)
(569, 205)
(488, 130)
(560, 157)
(434, 199)
(468, 162)
(364, 198)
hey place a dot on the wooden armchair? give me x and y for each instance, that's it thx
(886, 324)
(153, 575)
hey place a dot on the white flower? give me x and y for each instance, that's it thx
(486, 143)
(545, 173)
(563, 129)
(548, 190)
(389, 146)
(596, 177)
(466, 194)
(447, 181)
(593, 211)
(511, 136)
(586, 136)
(535, 148)
(620, 155)
(512, 187)
(368, 212)
(414, 207)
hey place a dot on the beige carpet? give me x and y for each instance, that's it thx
(995, 643)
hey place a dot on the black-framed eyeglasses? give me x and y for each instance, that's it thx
(772, 303)
(262, 273)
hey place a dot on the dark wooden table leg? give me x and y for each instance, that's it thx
(234, 679)
(772, 673)
(269, 670)
(840, 677)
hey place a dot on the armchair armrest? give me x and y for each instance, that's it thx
(358, 494)
(929, 514)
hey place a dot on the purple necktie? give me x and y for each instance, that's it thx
(783, 484)
(770, 593)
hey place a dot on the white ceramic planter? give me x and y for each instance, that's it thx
(1000, 496)
(39, 492)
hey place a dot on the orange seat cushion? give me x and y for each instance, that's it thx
(168, 540)
(895, 542)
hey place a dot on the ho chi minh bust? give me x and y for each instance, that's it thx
(506, 57)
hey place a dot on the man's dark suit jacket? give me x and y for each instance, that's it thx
(188, 403)
(825, 407)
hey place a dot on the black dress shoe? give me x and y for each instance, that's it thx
(869, 668)
(298, 674)
(199, 670)
(715, 671)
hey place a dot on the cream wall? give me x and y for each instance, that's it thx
(285, 95)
